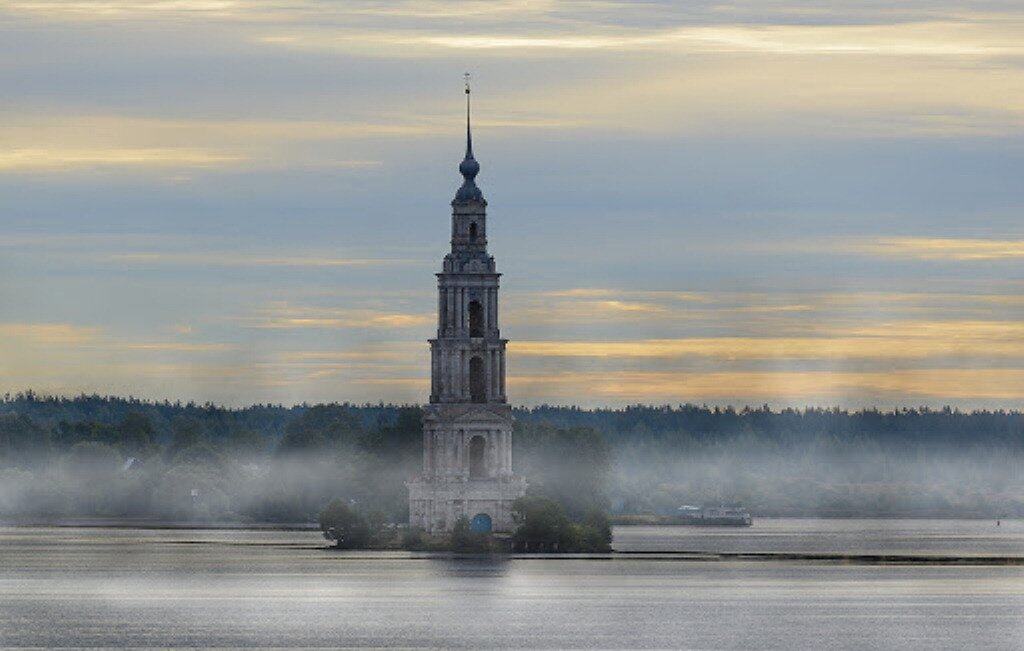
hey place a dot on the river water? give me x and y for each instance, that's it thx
(131, 588)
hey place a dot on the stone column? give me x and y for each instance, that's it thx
(488, 375)
(501, 452)
(501, 361)
(460, 445)
(442, 370)
(458, 312)
(492, 308)
(494, 298)
(495, 381)
(455, 385)
(436, 370)
(449, 309)
(485, 307)
(504, 452)
(509, 452)
(494, 436)
(428, 453)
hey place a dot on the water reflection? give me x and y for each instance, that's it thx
(237, 589)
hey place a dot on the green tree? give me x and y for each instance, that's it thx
(246, 442)
(335, 423)
(301, 441)
(348, 528)
(543, 526)
(135, 434)
(400, 440)
(188, 431)
(22, 443)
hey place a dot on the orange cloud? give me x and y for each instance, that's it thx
(287, 316)
(792, 387)
(912, 340)
(49, 333)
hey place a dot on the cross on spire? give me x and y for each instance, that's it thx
(469, 168)
(469, 134)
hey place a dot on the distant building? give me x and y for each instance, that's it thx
(467, 427)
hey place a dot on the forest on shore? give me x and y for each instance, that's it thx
(99, 456)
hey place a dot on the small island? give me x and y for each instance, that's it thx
(542, 526)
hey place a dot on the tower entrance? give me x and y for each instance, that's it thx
(481, 523)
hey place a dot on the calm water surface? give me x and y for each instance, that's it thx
(94, 588)
(834, 536)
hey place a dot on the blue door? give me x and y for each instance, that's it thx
(481, 523)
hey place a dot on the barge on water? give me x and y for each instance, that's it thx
(714, 516)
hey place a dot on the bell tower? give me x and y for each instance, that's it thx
(467, 426)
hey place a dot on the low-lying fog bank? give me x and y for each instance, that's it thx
(115, 458)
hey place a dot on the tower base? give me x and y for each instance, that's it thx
(467, 469)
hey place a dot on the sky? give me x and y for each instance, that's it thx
(774, 202)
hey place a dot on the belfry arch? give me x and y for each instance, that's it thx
(477, 380)
(476, 319)
(478, 457)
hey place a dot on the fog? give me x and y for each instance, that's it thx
(109, 458)
(826, 479)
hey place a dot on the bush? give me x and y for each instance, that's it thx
(464, 539)
(595, 533)
(345, 526)
(544, 527)
(414, 540)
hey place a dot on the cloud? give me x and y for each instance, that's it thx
(287, 316)
(234, 259)
(942, 39)
(785, 387)
(52, 160)
(178, 347)
(260, 11)
(879, 342)
(943, 249)
(95, 10)
(60, 142)
(46, 334)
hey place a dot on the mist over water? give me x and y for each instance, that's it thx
(825, 478)
(108, 457)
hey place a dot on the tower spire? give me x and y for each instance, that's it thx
(469, 132)
(469, 168)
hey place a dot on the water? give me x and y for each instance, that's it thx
(92, 588)
(832, 536)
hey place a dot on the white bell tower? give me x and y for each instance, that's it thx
(467, 427)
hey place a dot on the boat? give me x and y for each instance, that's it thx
(714, 516)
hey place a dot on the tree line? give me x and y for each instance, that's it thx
(124, 457)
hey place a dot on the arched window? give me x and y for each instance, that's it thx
(477, 463)
(472, 231)
(477, 381)
(476, 319)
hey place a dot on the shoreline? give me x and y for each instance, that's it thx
(159, 525)
(688, 555)
(641, 521)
